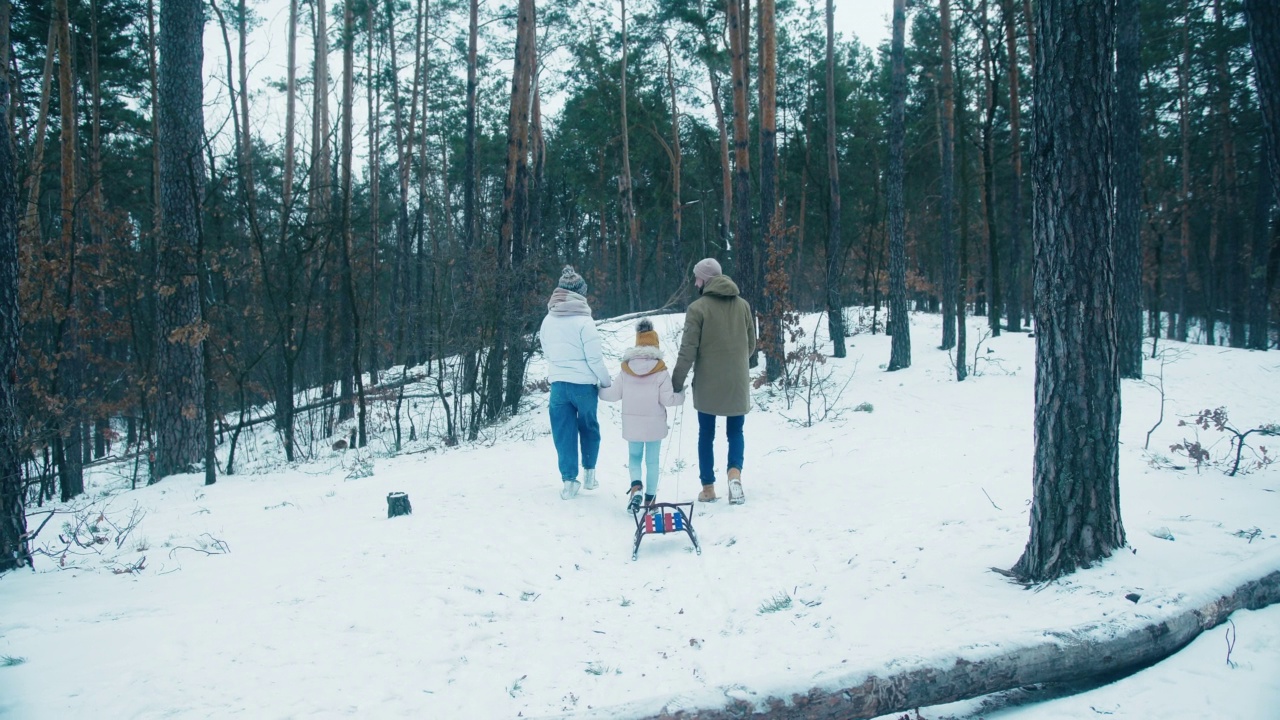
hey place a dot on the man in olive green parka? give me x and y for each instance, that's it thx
(718, 342)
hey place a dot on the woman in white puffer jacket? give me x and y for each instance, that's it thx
(575, 368)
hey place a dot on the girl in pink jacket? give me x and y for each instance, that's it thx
(644, 387)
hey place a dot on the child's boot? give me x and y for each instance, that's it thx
(633, 503)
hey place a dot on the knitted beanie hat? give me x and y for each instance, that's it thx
(570, 280)
(645, 334)
(706, 269)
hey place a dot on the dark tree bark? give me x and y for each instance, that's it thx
(290, 346)
(1075, 510)
(352, 309)
(962, 284)
(68, 377)
(1263, 17)
(950, 268)
(180, 370)
(1264, 36)
(624, 182)
(899, 322)
(835, 308)
(1222, 281)
(513, 231)
(1178, 330)
(743, 251)
(774, 344)
(1017, 283)
(1128, 178)
(13, 519)
(1259, 256)
(995, 304)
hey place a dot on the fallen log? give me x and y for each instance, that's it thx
(1075, 654)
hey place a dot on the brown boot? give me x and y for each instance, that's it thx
(708, 493)
(736, 497)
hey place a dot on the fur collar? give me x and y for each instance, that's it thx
(647, 352)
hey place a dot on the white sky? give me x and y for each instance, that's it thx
(268, 48)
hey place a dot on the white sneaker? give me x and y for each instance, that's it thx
(589, 479)
(569, 490)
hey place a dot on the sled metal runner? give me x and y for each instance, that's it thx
(664, 519)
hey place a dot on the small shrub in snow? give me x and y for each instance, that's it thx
(11, 661)
(781, 601)
(865, 407)
(1218, 420)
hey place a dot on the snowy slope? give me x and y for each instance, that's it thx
(496, 599)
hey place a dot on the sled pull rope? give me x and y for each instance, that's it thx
(679, 433)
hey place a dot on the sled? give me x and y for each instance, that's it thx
(664, 519)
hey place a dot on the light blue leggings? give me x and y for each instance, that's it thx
(650, 452)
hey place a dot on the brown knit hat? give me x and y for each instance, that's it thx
(645, 334)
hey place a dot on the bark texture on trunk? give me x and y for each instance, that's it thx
(835, 309)
(899, 323)
(1016, 287)
(950, 266)
(180, 367)
(1075, 509)
(13, 519)
(1128, 170)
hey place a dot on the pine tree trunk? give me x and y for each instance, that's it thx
(373, 99)
(950, 268)
(1259, 338)
(13, 519)
(1017, 282)
(624, 182)
(1075, 510)
(774, 344)
(31, 214)
(995, 305)
(348, 273)
(962, 284)
(677, 163)
(1128, 177)
(1178, 331)
(899, 322)
(743, 251)
(835, 308)
(289, 344)
(1264, 37)
(69, 370)
(180, 369)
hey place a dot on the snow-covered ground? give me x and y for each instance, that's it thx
(866, 542)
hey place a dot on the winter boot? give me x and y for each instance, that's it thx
(649, 500)
(708, 493)
(735, 487)
(589, 479)
(633, 505)
(570, 490)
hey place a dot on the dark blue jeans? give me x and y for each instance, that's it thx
(706, 442)
(573, 420)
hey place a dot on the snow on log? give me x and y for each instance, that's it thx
(1087, 651)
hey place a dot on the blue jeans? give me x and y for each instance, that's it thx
(650, 452)
(706, 442)
(573, 420)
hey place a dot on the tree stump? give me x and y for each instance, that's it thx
(398, 504)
